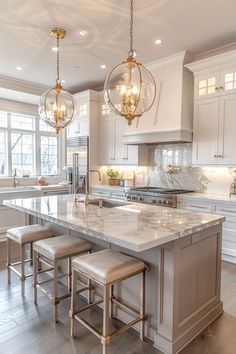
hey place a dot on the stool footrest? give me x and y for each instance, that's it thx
(89, 326)
(127, 307)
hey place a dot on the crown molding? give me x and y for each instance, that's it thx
(214, 62)
(12, 83)
(18, 107)
(172, 62)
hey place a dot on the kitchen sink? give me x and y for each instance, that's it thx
(105, 203)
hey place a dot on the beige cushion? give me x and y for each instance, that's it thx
(29, 233)
(62, 246)
(107, 266)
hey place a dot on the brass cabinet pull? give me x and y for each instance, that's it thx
(219, 156)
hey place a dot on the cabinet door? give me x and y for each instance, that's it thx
(207, 85)
(228, 81)
(106, 135)
(119, 127)
(205, 133)
(227, 129)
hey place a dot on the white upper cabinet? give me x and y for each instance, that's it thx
(112, 151)
(205, 130)
(214, 140)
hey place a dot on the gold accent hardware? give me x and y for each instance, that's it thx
(220, 156)
(215, 156)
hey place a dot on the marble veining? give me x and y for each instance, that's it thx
(134, 226)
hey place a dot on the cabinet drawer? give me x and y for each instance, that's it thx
(228, 211)
(197, 206)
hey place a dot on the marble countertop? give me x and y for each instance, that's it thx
(108, 187)
(133, 226)
(206, 197)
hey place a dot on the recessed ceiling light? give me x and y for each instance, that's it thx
(19, 68)
(103, 66)
(158, 41)
(83, 33)
(55, 49)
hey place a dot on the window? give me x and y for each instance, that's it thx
(27, 145)
(230, 81)
(105, 109)
(3, 153)
(48, 155)
(22, 150)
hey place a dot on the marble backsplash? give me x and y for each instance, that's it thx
(171, 166)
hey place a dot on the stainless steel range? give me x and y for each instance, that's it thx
(154, 195)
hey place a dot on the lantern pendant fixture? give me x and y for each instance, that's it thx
(130, 89)
(57, 106)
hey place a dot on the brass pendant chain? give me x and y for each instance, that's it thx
(58, 60)
(131, 26)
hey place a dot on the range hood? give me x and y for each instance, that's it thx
(171, 116)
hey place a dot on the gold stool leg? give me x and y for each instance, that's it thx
(142, 304)
(35, 272)
(73, 302)
(69, 274)
(22, 265)
(31, 253)
(8, 260)
(105, 331)
(111, 309)
(55, 285)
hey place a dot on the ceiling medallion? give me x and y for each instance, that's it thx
(130, 89)
(57, 106)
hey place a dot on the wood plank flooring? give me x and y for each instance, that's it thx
(29, 329)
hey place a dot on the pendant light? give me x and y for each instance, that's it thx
(57, 106)
(130, 89)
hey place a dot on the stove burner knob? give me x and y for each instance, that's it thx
(163, 202)
(129, 197)
(168, 202)
(159, 201)
(134, 197)
(154, 201)
(140, 198)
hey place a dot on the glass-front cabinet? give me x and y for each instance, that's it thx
(215, 83)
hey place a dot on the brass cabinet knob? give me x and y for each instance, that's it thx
(215, 156)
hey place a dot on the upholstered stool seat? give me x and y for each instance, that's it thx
(29, 233)
(50, 252)
(107, 268)
(23, 236)
(61, 246)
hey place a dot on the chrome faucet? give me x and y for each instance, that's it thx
(86, 199)
(14, 178)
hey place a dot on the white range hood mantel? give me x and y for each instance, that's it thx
(170, 119)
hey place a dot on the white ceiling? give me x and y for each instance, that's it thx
(195, 25)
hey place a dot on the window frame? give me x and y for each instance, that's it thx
(37, 133)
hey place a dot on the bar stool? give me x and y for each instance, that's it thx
(53, 251)
(108, 268)
(24, 235)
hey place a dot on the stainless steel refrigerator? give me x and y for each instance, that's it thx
(78, 159)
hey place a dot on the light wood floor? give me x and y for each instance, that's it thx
(27, 329)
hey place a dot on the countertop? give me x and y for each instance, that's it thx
(133, 226)
(206, 197)
(108, 187)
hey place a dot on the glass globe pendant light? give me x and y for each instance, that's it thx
(130, 89)
(57, 106)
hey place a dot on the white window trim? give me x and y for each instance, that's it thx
(36, 158)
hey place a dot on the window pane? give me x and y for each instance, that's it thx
(202, 83)
(48, 155)
(211, 81)
(22, 122)
(22, 149)
(44, 127)
(3, 119)
(3, 154)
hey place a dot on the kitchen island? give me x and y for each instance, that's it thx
(182, 248)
